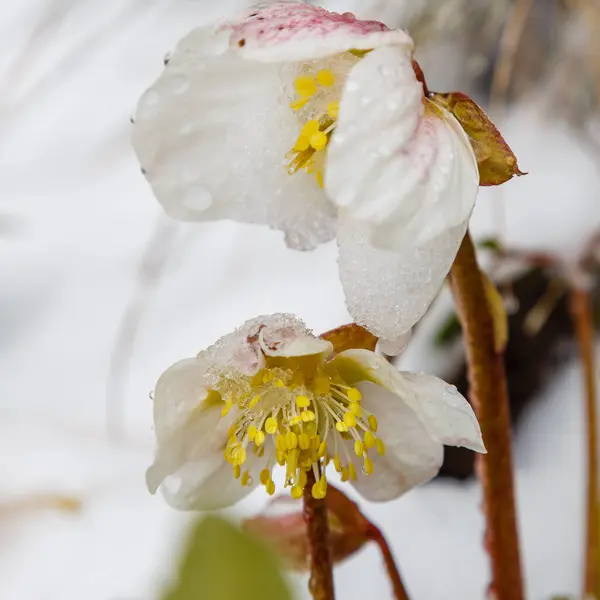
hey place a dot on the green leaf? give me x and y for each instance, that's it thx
(223, 563)
(449, 330)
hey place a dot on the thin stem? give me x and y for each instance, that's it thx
(317, 528)
(581, 313)
(488, 394)
(376, 536)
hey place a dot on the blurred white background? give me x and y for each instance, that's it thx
(77, 217)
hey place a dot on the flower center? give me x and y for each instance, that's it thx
(299, 413)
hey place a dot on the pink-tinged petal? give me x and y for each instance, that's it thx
(412, 456)
(212, 134)
(396, 161)
(287, 342)
(296, 31)
(389, 291)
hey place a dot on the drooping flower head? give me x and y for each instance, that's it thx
(316, 124)
(272, 394)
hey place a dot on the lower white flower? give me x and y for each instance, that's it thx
(315, 123)
(271, 393)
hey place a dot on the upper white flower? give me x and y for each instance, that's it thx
(272, 393)
(315, 123)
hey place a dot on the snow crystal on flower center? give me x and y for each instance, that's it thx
(298, 412)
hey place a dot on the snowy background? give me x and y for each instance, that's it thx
(77, 218)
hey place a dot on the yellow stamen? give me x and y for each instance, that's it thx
(380, 447)
(302, 144)
(237, 471)
(358, 448)
(354, 395)
(265, 476)
(325, 77)
(310, 128)
(297, 492)
(228, 406)
(279, 383)
(303, 441)
(270, 487)
(308, 415)
(271, 425)
(369, 439)
(254, 401)
(341, 426)
(345, 474)
(318, 140)
(252, 431)
(239, 456)
(373, 423)
(301, 479)
(352, 471)
(246, 479)
(322, 449)
(302, 401)
(305, 86)
(337, 463)
(355, 408)
(350, 419)
(368, 466)
(291, 440)
(319, 178)
(298, 104)
(260, 438)
(333, 110)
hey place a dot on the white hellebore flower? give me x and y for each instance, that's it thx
(315, 123)
(272, 393)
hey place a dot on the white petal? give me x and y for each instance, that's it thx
(412, 456)
(297, 31)
(181, 392)
(388, 292)
(209, 484)
(395, 161)
(445, 413)
(212, 134)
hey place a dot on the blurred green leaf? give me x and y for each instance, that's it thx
(449, 330)
(223, 563)
(491, 243)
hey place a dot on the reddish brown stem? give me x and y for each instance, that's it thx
(317, 528)
(488, 394)
(374, 534)
(582, 316)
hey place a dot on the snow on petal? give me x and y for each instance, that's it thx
(412, 456)
(389, 291)
(396, 161)
(289, 342)
(296, 31)
(212, 135)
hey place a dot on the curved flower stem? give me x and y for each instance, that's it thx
(488, 394)
(317, 528)
(581, 313)
(375, 535)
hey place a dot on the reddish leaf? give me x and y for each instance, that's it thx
(350, 336)
(497, 162)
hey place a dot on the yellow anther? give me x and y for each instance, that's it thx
(302, 144)
(321, 386)
(252, 431)
(279, 383)
(271, 425)
(369, 440)
(254, 401)
(305, 85)
(355, 408)
(318, 140)
(265, 476)
(270, 487)
(345, 474)
(354, 395)
(292, 461)
(308, 415)
(296, 420)
(373, 423)
(380, 447)
(350, 419)
(320, 180)
(226, 408)
(297, 492)
(352, 471)
(280, 457)
(333, 110)
(368, 466)
(303, 401)
(260, 451)
(237, 471)
(337, 463)
(291, 440)
(268, 376)
(260, 438)
(318, 492)
(309, 128)
(298, 104)
(358, 448)
(239, 456)
(310, 428)
(325, 77)
(231, 431)
(301, 481)
(280, 443)
(245, 480)
(322, 449)
(341, 426)
(304, 441)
